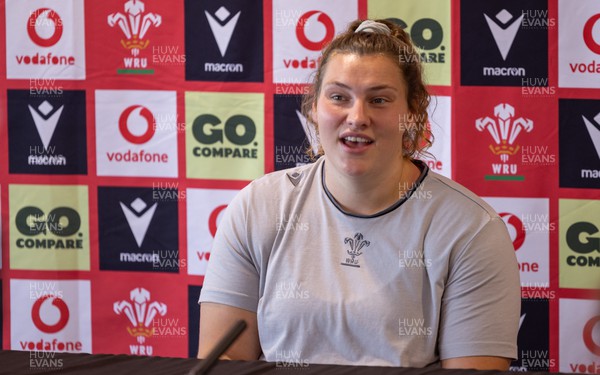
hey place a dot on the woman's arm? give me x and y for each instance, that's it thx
(477, 363)
(216, 319)
(479, 319)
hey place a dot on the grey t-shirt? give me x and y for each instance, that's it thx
(432, 277)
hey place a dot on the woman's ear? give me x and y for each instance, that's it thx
(313, 111)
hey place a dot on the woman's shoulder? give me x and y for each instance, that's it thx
(447, 191)
(285, 180)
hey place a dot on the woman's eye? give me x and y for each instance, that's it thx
(379, 101)
(336, 97)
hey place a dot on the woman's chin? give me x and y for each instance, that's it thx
(356, 169)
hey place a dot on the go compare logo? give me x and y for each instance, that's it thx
(427, 34)
(225, 140)
(579, 244)
(239, 130)
(49, 227)
(61, 221)
(584, 238)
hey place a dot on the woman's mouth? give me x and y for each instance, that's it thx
(355, 142)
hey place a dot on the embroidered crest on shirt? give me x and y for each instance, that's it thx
(356, 244)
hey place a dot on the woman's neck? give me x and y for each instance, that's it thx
(367, 194)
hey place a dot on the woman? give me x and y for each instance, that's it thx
(364, 257)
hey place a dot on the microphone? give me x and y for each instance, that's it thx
(223, 344)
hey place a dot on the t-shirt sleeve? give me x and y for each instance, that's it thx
(232, 276)
(482, 299)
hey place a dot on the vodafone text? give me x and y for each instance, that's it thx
(54, 345)
(592, 368)
(591, 67)
(47, 59)
(137, 157)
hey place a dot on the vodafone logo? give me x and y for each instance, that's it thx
(146, 144)
(516, 223)
(44, 19)
(206, 209)
(212, 220)
(142, 113)
(325, 20)
(588, 338)
(588, 35)
(63, 314)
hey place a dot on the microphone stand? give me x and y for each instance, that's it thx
(223, 344)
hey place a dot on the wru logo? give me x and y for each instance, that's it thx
(140, 312)
(134, 25)
(504, 129)
(356, 244)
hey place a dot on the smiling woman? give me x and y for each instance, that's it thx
(359, 111)
(365, 257)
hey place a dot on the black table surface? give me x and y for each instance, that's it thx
(24, 362)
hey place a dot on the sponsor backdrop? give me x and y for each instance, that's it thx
(126, 128)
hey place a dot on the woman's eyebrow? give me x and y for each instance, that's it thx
(372, 88)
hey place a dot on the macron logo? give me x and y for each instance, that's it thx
(138, 220)
(504, 34)
(222, 30)
(44, 122)
(594, 132)
(310, 131)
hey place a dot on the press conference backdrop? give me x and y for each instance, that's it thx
(127, 127)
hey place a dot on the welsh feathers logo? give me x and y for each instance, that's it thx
(140, 311)
(356, 243)
(134, 23)
(504, 128)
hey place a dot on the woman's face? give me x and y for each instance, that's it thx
(360, 108)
